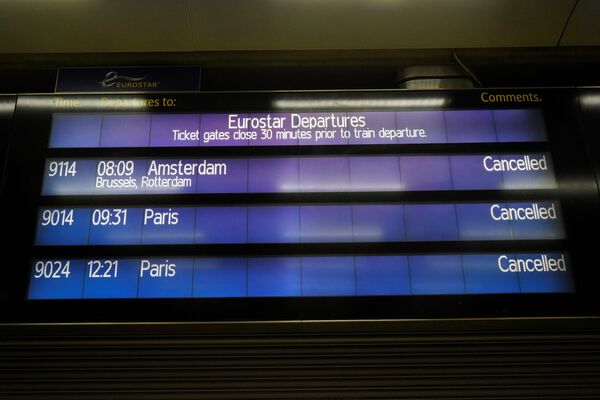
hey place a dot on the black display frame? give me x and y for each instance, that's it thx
(578, 194)
(8, 103)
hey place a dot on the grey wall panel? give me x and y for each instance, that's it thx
(376, 24)
(462, 359)
(37, 26)
(584, 26)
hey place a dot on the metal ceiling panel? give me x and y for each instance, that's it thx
(375, 24)
(584, 26)
(44, 26)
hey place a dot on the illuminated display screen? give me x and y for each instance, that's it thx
(299, 224)
(298, 174)
(300, 276)
(325, 196)
(297, 129)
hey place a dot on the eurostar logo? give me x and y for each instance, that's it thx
(113, 79)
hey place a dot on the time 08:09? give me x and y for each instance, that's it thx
(103, 168)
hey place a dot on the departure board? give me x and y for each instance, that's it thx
(301, 201)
